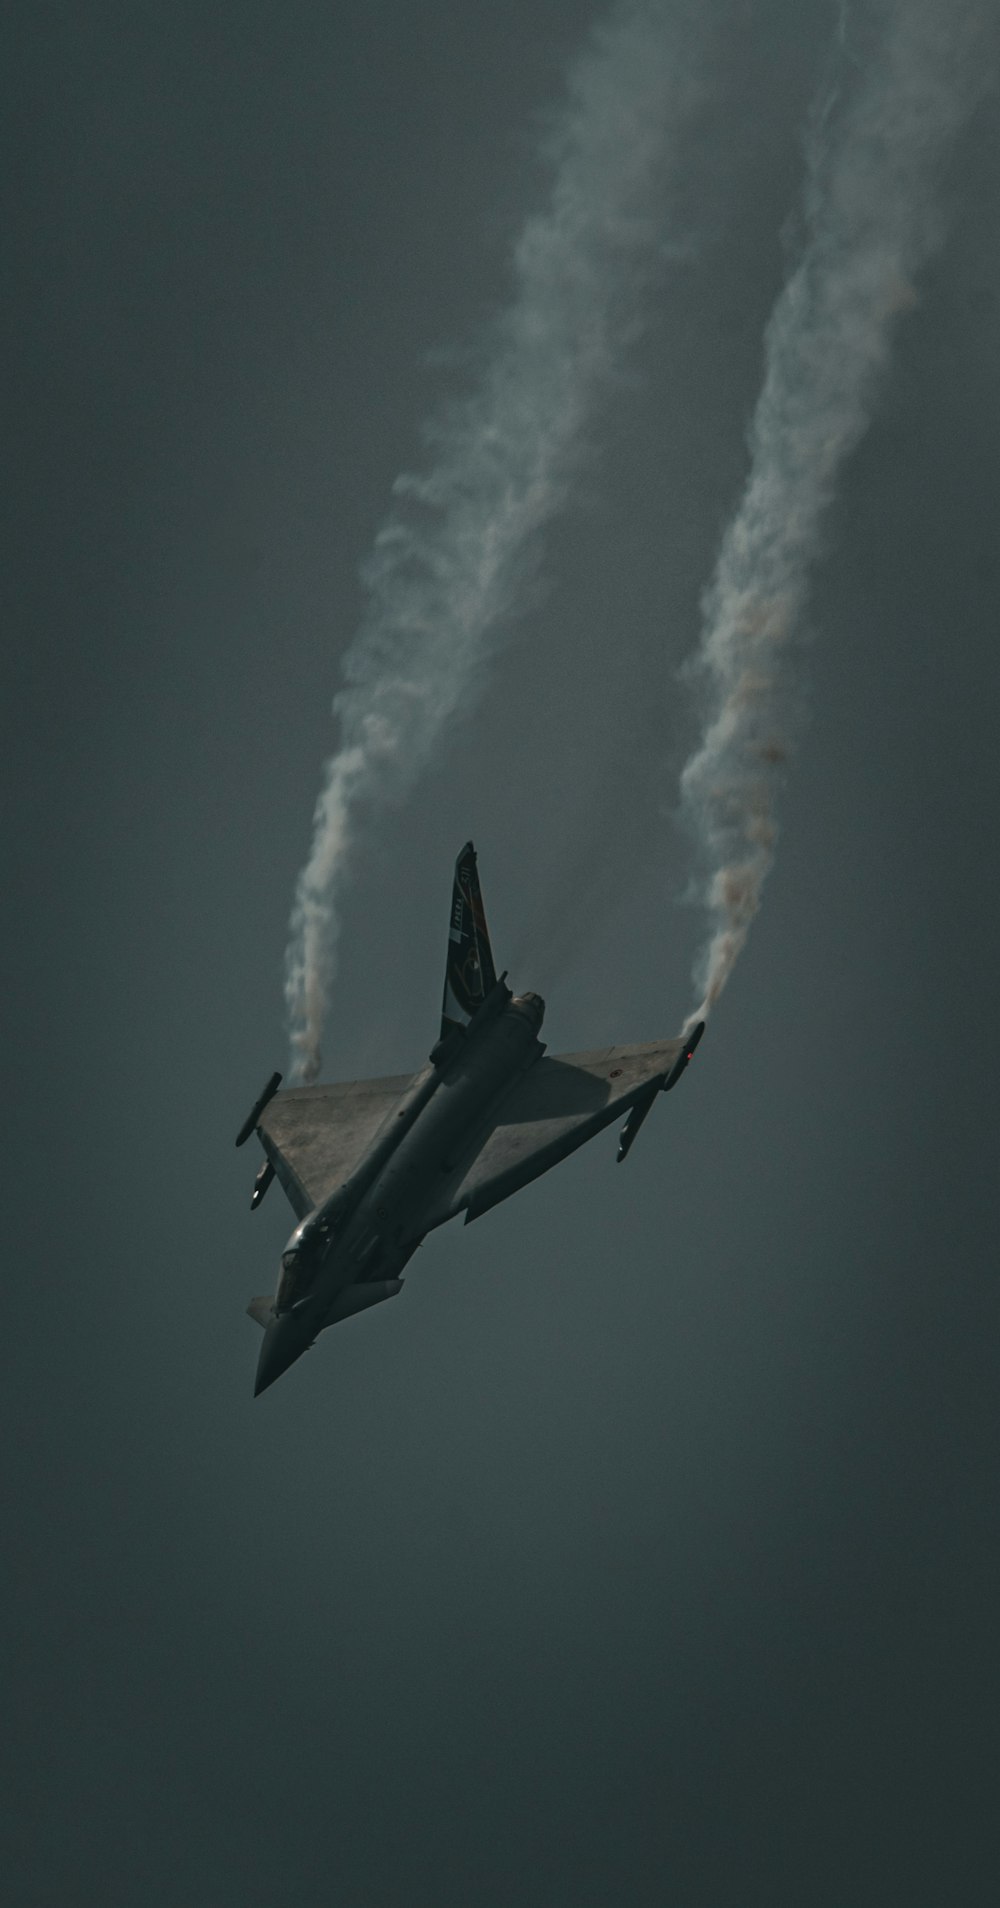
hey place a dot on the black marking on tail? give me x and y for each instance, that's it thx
(470, 974)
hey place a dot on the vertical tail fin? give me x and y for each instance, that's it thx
(470, 974)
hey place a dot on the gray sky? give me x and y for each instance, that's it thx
(646, 1550)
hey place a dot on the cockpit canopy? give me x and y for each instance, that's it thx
(300, 1259)
(311, 1238)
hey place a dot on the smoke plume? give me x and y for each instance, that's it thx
(452, 560)
(871, 218)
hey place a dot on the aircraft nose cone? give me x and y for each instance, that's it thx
(284, 1340)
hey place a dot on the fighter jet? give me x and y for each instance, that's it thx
(371, 1166)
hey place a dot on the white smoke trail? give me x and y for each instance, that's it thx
(450, 562)
(872, 219)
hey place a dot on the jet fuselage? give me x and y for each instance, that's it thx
(349, 1251)
(369, 1167)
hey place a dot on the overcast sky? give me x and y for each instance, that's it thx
(645, 1550)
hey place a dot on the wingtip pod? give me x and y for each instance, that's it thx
(641, 1106)
(691, 1039)
(257, 1108)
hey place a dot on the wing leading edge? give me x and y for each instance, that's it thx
(551, 1110)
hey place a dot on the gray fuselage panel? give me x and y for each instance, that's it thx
(371, 1224)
